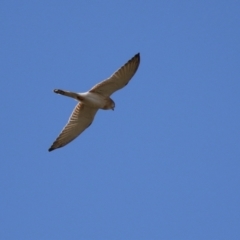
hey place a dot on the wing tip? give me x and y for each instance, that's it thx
(51, 149)
(136, 58)
(137, 55)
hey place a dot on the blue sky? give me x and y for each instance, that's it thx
(164, 164)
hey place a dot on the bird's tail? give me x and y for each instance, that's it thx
(67, 93)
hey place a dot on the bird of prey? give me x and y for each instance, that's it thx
(96, 98)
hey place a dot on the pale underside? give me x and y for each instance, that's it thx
(83, 114)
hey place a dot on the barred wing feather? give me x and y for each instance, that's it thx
(119, 79)
(81, 118)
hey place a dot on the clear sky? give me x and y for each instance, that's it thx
(165, 164)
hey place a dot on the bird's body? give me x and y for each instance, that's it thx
(90, 99)
(96, 98)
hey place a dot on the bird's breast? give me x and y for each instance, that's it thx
(92, 99)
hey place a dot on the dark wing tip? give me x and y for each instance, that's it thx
(136, 58)
(51, 149)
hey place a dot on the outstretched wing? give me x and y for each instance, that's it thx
(81, 118)
(119, 79)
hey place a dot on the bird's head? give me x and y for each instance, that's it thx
(110, 104)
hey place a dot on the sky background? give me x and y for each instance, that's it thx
(165, 164)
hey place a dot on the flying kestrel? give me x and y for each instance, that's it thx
(96, 98)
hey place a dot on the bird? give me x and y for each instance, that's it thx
(98, 97)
